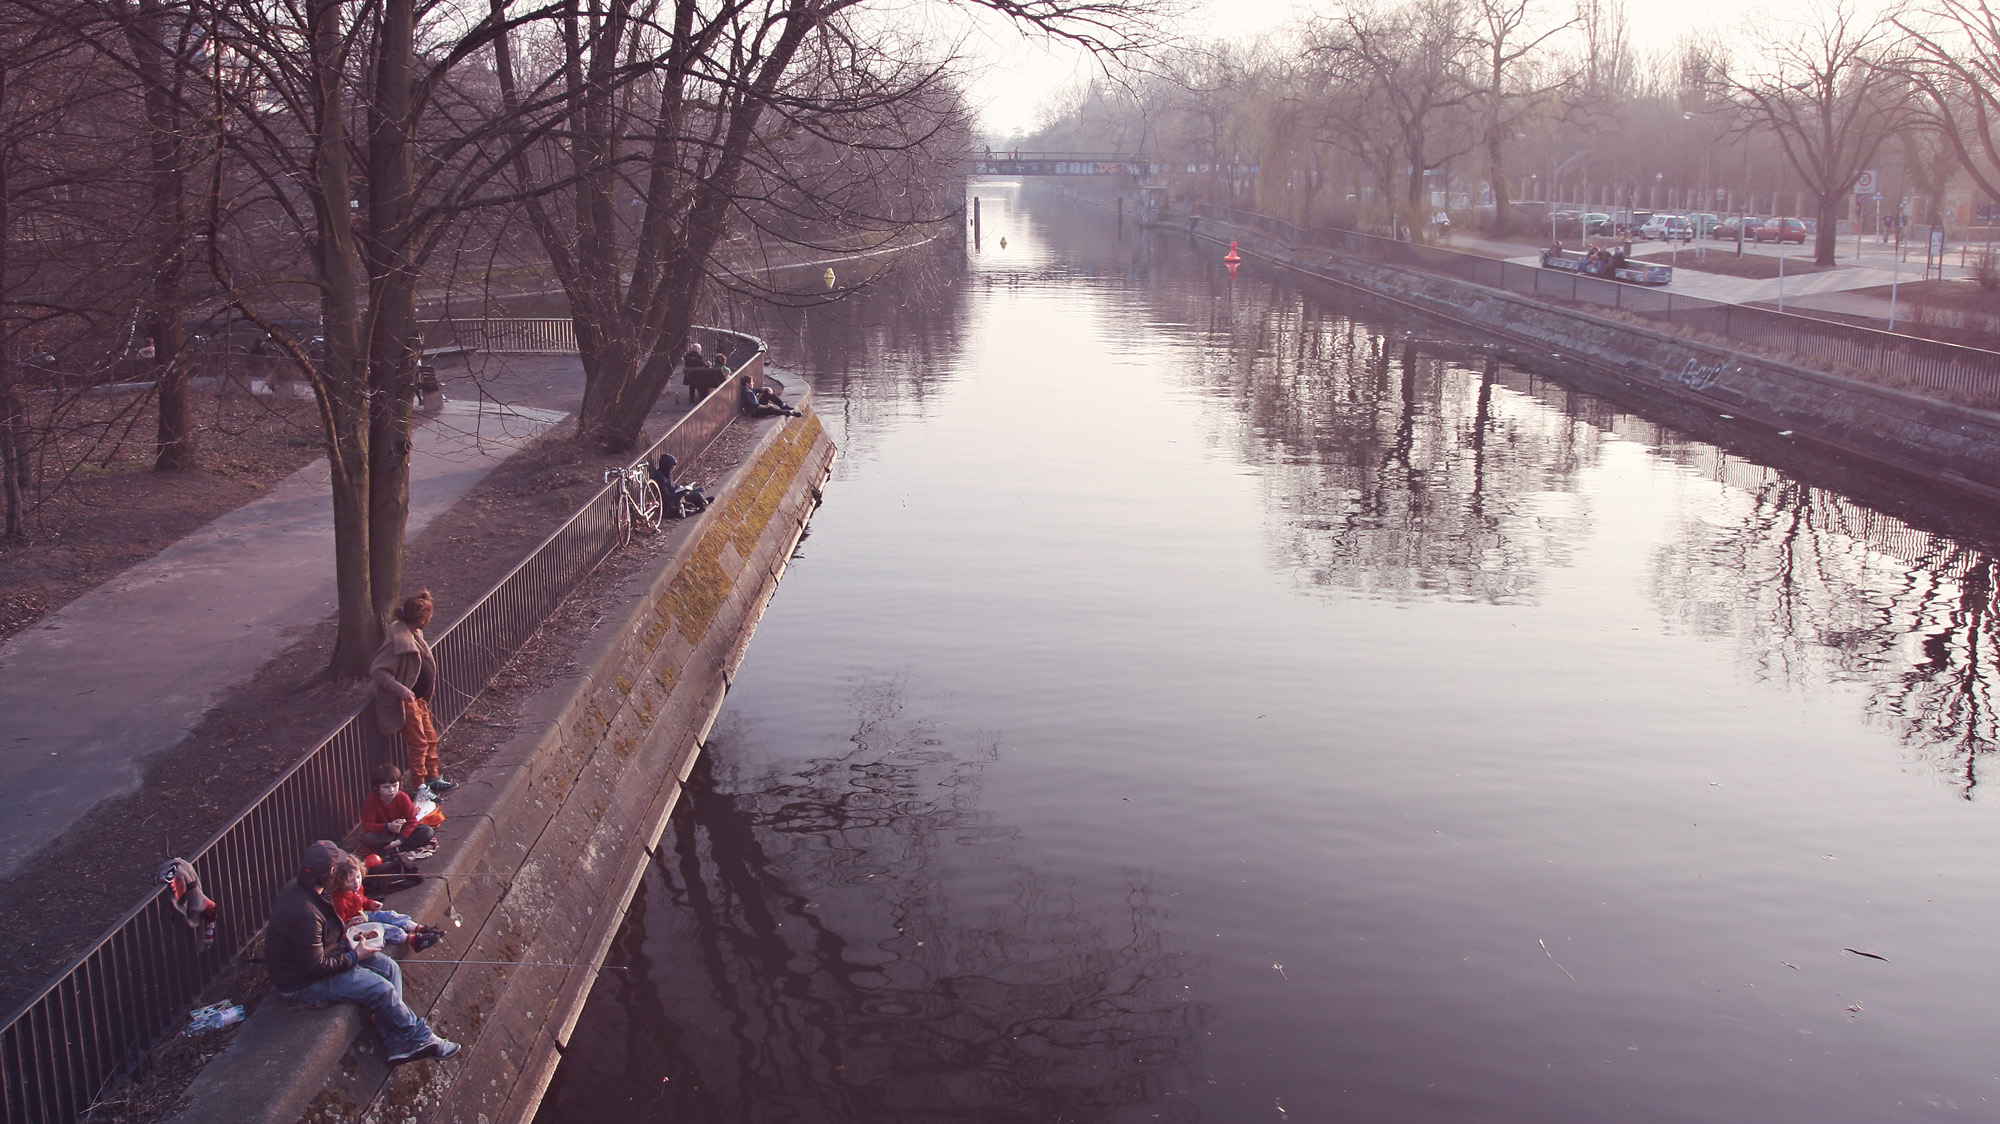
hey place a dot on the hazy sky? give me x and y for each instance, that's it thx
(1016, 75)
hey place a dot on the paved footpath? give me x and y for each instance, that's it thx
(1829, 290)
(129, 668)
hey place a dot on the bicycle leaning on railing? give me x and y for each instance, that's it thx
(635, 502)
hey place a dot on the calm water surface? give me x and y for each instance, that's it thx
(1208, 701)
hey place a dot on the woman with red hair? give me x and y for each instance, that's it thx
(406, 676)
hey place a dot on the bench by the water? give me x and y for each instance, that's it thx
(1637, 272)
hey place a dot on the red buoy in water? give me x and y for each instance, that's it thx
(1232, 257)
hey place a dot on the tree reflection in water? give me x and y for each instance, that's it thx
(795, 955)
(1396, 467)
(1816, 588)
(1400, 467)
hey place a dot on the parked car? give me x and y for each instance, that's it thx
(1667, 228)
(1704, 223)
(1781, 231)
(1735, 225)
(1592, 222)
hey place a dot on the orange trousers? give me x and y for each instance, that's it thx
(420, 737)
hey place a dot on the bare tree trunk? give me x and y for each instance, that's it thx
(1496, 175)
(392, 312)
(1824, 238)
(341, 387)
(148, 36)
(13, 455)
(13, 413)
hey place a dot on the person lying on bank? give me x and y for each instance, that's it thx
(310, 960)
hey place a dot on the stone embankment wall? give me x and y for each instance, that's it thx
(548, 840)
(1943, 443)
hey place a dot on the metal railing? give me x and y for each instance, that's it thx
(518, 336)
(133, 986)
(1972, 374)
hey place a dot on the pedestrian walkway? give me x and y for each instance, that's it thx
(126, 670)
(1875, 267)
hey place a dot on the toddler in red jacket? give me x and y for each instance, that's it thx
(352, 906)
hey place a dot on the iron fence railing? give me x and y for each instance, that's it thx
(1971, 373)
(96, 1021)
(519, 336)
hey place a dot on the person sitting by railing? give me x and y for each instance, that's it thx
(1553, 253)
(680, 500)
(389, 817)
(762, 402)
(310, 960)
(355, 907)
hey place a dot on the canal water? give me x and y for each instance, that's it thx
(1213, 700)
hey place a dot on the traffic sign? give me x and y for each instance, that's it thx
(1866, 184)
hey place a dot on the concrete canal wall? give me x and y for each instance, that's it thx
(1940, 442)
(549, 839)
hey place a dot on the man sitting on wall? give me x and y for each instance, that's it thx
(310, 960)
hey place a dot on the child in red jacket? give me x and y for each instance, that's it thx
(351, 905)
(389, 817)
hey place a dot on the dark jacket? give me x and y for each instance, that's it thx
(403, 659)
(305, 940)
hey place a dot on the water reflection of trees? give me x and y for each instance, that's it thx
(800, 951)
(879, 352)
(1813, 588)
(1395, 466)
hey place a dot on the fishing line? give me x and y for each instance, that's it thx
(519, 964)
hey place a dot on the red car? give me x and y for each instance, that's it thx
(1781, 230)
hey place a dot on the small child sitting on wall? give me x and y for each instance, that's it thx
(353, 906)
(389, 817)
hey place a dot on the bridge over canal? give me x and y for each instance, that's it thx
(1014, 162)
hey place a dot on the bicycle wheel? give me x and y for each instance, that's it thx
(649, 506)
(621, 515)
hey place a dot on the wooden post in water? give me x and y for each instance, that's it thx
(975, 220)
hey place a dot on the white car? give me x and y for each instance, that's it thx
(1667, 228)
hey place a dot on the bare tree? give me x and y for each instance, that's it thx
(1831, 95)
(343, 170)
(669, 112)
(1410, 62)
(1508, 36)
(1954, 48)
(165, 44)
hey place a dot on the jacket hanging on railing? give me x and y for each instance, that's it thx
(196, 907)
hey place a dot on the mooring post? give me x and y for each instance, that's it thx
(975, 220)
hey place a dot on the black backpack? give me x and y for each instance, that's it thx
(397, 872)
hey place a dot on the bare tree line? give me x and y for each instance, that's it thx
(312, 167)
(1376, 113)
